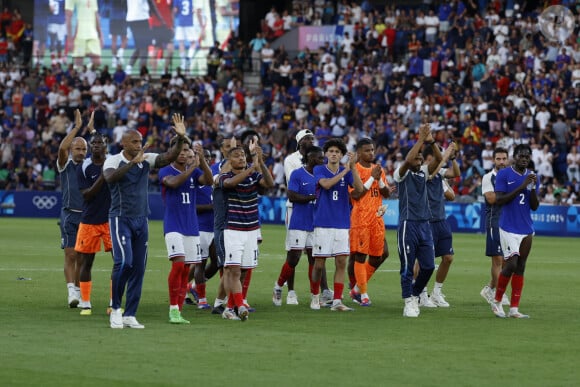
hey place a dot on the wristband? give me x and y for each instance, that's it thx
(369, 182)
(382, 184)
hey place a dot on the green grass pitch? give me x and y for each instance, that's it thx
(43, 342)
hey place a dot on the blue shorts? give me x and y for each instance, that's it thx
(118, 26)
(442, 238)
(492, 243)
(415, 242)
(141, 34)
(220, 250)
(69, 226)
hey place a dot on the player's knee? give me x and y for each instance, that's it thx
(520, 267)
(510, 266)
(448, 259)
(377, 261)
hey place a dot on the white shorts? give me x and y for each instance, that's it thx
(241, 248)
(299, 240)
(510, 243)
(58, 29)
(205, 240)
(179, 245)
(186, 33)
(330, 242)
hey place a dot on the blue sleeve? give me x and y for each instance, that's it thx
(294, 182)
(349, 178)
(318, 173)
(501, 181)
(164, 172)
(196, 175)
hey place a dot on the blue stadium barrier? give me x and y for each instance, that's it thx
(463, 217)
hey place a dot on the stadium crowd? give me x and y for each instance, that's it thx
(458, 65)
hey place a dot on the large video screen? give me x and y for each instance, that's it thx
(172, 33)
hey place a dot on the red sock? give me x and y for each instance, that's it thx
(238, 299)
(517, 286)
(246, 284)
(315, 287)
(502, 283)
(174, 282)
(184, 285)
(231, 301)
(285, 273)
(338, 288)
(200, 288)
(310, 268)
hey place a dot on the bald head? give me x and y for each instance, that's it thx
(132, 143)
(78, 149)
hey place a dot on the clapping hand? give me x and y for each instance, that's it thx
(376, 172)
(351, 160)
(450, 152)
(140, 156)
(424, 132)
(91, 124)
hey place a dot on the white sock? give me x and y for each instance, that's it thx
(173, 307)
(438, 286)
(218, 302)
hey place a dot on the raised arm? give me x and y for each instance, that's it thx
(424, 131)
(258, 160)
(171, 155)
(207, 177)
(64, 147)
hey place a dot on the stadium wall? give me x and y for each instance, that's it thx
(463, 217)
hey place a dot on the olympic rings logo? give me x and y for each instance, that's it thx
(44, 202)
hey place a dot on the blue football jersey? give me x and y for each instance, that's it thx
(332, 208)
(184, 15)
(516, 214)
(204, 195)
(413, 202)
(180, 214)
(302, 182)
(95, 210)
(130, 195)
